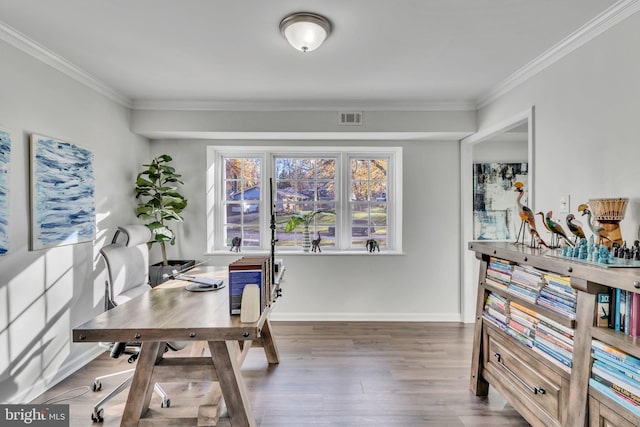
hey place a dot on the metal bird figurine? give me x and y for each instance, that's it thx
(597, 230)
(575, 227)
(526, 215)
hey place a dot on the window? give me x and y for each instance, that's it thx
(241, 202)
(358, 190)
(306, 184)
(369, 182)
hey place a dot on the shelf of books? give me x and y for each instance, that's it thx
(615, 352)
(615, 380)
(523, 302)
(546, 318)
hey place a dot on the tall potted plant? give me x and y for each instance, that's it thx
(159, 203)
(305, 219)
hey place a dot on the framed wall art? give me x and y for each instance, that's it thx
(5, 157)
(495, 212)
(62, 193)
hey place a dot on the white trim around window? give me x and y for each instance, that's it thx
(216, 242)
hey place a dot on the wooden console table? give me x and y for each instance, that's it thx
(170, 313)
(544, 393)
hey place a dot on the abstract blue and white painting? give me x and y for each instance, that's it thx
(5, 156)
(62, 192)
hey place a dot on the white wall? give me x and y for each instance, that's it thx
(45, 293)
(586, 123)
(421, 284)
(586, 133)
(510, 151)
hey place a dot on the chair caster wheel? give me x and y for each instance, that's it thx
(165, 403)
(96, 386)
(98, 417)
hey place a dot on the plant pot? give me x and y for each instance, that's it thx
(306, 240)
(157, 271)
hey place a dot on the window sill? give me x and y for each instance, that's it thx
(298, 252)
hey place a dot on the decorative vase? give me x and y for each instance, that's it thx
(306, 240)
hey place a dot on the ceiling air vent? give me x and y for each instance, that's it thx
(350, 119)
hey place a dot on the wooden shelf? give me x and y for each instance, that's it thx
(582, 405)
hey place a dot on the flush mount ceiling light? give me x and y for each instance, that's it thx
(305, 31)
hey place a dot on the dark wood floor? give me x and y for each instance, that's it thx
(336, 374)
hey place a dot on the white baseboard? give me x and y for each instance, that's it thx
(63, 372)
(366, 317)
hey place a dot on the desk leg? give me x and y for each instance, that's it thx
(224, 355)
(269, 344)
(141, 385)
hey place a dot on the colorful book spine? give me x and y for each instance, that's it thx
(612, 308)
(627, 313)
(618, 369)
(569, 332)
(558, 298)
(616, 312)
(555, 340)
(610, 393)
(615, 353)
(524, 309)
(621, 386)
(634, 318)
(603, 310)
(555, 334)
(556, 308)
(550, 352)
(609, 359)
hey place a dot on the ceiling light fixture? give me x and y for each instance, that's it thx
(305, 31)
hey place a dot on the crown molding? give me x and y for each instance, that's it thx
(607, 19)
(302, 105)
(305, 136)
(41, 53)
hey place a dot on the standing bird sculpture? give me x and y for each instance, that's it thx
(544, 222)
(556, 229)
(536, 240)
(526, 215)
(575, 227)
(597, 230)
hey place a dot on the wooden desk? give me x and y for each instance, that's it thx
(170, 313)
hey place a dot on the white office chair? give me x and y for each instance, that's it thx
(127, 265)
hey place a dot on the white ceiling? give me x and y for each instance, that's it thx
(381, 54)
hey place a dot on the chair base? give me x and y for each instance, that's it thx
(97, 415)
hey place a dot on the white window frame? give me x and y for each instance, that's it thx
(215, 193)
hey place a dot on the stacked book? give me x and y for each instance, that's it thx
(495, 310)
(525, 283)
(558, 296)
(250, 270)
(521, 324)
(616, 374)
(550, 339)
(499, 273)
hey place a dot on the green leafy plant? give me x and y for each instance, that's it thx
(303, 218)
(160, 201)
